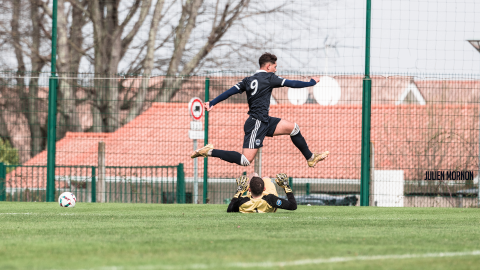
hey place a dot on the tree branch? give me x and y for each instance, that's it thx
(143, 14)
(182, 33)
(46, 8)
(215, 35)
(148, 64)
(78, 5)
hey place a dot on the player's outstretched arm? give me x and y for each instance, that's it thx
(301, 84)
(237, 200)
(291, 204)
(277, 202)
(230, 92)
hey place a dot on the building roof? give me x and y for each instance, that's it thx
(386, 90)
(412, 138)
(452, 91)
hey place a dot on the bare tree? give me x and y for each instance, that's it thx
(68, 114)
(224, 18)
(137, 105)
(218, 18)
(29, 48)
(37, 63)
(181, 38)
(110, 48)
(69, 51)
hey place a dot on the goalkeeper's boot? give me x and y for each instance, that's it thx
(317, 157)
(202, 151)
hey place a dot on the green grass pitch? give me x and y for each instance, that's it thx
(148, 236)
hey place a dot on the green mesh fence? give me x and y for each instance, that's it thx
(422, 125)
(155, 184)
(278, 155)
(424, 99)
(419, 125)
(23, 126)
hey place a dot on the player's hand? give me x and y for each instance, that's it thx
(282, 181)
(242, 185)
(317, 79)
(207, 106)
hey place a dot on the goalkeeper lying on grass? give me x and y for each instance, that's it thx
(262, 196)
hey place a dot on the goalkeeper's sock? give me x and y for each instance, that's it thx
(301, 144)
(231, 156)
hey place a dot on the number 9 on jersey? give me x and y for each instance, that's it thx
(254, 86)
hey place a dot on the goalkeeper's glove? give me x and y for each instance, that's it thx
(282, 181)
(242, 185)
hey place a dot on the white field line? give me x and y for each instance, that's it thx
(15, 213)
(295, 263)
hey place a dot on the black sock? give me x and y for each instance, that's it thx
(301, 144)
(228, 156)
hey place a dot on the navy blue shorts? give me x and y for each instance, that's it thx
(256, 130)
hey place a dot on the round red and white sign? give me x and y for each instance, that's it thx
(196, 108)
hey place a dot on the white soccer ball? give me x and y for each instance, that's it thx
(67, 199)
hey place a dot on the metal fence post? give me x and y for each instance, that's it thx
(3, 179)
(205, 160)
(101, 172)
(51, 138)
(180, 184)
(52, 112)
(366, 115)
(258, 162)
(290, 182)
(372, 194)
(94, 185)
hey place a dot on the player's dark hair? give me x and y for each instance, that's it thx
(257, 185)
(267, 58)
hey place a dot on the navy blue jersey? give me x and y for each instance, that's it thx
(259, 90)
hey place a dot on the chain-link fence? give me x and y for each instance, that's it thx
(419, 126)
(397, 104)
(155, 184)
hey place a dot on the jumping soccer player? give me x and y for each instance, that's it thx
(262, 197)
(259, 90)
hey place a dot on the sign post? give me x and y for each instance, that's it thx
(196, 108)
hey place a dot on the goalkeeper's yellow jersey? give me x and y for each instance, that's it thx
(266, 204)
